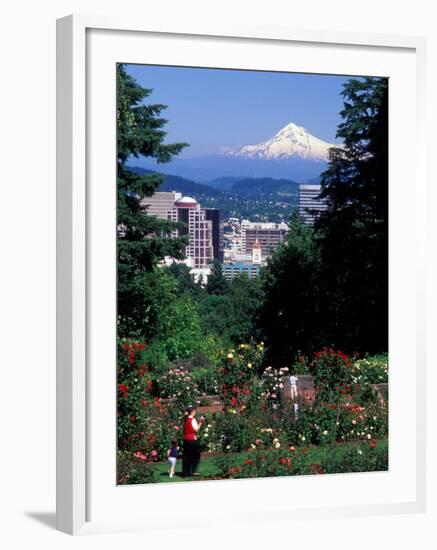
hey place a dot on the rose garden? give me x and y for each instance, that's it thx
(253, 428)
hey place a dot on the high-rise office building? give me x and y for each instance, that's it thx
(197, 227)
(265, 235)
(204, 227)
(310, 204)
(216, 217)
(160, 203)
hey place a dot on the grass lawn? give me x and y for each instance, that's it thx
(208, 469)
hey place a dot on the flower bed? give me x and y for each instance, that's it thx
(253, 416)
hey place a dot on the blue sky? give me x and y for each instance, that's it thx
(213, 108)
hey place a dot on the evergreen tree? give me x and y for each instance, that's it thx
(143, 240)
(217, 283)
(245, 297)
(289, 316)
(186, 284)
(353, 233)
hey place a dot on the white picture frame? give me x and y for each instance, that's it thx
(74, 282)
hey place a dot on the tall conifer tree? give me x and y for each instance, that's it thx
(143, 240)
(353, 233)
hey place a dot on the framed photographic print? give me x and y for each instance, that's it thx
(240, 275)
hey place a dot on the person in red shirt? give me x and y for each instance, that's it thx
(191, 456)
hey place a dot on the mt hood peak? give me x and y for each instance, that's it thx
(292, 141)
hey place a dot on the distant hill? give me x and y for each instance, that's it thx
(224, 183)
(181, 185)
(257, 199)
(208, 168)
(265, 187)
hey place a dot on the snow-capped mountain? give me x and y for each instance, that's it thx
(292, 142)
(293, 154)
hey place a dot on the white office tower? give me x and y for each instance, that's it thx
(310, 205)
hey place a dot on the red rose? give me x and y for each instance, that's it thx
(158, 403)
(316, 469)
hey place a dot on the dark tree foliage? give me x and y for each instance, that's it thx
(185, 281)
(353, 234)
(232, 314)
(217, 283)
(289, 314)
(245, 295)
(143, 240)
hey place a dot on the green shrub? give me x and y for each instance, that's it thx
(332, 375)
(134, 468)
(206, 379)
(371, 370)
(272, 382)
(178, 387)
(300, 366)
(238, 385)
(233, 432)
(363, 457)
(134, 390)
